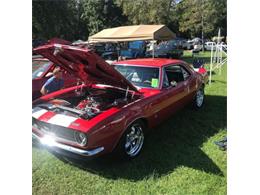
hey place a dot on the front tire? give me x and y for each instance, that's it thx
(131, 143)
(199, 98)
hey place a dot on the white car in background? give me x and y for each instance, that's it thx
(197, 47)
(197, 44)
(208, 46)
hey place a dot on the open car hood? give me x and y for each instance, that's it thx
(85, 64)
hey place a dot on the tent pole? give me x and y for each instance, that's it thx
(118, 51)
(153, 48)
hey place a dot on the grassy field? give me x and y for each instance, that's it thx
(179, 157)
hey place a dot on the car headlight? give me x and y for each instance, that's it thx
(80, 138)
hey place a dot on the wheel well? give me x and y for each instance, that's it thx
(145, 121)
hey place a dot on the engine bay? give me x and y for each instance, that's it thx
(89, 102)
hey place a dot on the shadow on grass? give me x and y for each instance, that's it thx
(174, 143)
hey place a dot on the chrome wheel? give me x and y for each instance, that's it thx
(199, 98)
(134, 140)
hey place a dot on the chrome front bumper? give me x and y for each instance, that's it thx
(48, 141)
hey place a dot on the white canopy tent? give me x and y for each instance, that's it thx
(133, 33)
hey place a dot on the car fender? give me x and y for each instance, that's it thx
(130, 119)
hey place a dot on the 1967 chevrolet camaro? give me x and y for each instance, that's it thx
(114, 106)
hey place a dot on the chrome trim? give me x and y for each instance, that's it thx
(72, 149)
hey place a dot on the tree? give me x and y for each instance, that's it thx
(49, 18)
(147, 12)
(77, 19)
(57, 19)
(100, 14)
(198, 15)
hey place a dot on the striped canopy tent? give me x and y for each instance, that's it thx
(133, 33)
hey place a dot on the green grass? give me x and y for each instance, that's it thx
(179, 157)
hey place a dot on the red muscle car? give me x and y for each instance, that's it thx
(116, 105)
(42, 70)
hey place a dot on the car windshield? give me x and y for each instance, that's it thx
(39, 67)
(144, 77)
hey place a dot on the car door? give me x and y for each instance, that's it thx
(171, 97)
(174, 87)
(189, 82)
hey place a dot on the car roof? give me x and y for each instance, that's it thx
(152, 62)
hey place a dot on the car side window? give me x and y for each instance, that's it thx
(174, 73)
(185, 73)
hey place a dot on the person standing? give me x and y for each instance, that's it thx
(54, 83)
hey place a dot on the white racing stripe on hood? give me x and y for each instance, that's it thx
(62, 120)
(37, 112)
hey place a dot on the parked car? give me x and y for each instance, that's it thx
(136, 49)
(182, 43)
(42, 70)
(110, 57)
(190, 43)
(197, 47)
(210, 44)
(224, 46)
(187, 45)
(196, 44)
(115, 107)
(177, 42)
(197, 40)
(167, 49)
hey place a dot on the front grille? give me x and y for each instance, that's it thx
(55, 130)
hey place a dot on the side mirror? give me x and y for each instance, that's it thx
(173, 83)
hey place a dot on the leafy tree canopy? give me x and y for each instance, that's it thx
(198, 15)
(77, 19)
